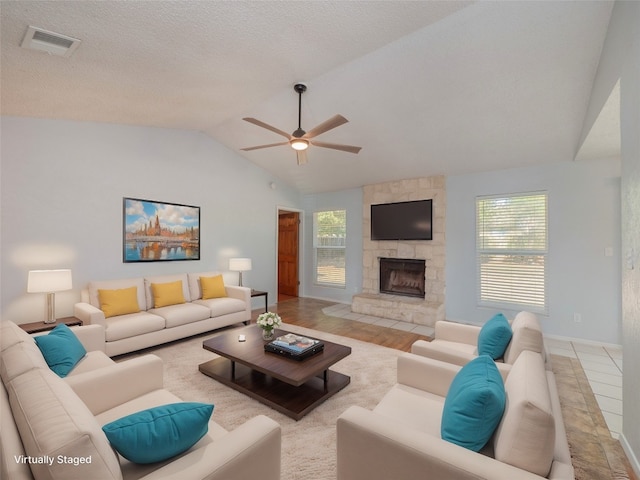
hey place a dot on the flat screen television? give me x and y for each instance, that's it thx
(402, 220)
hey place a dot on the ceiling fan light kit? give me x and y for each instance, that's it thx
(299, 144)
(299, 139)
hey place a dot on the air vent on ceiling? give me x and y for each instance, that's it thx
(50, 42)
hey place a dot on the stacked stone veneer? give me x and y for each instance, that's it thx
(423, 311)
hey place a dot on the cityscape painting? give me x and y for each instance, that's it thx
(160, 231)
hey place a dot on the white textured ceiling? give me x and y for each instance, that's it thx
(429, 87)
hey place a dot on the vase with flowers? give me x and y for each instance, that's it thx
(268, 322)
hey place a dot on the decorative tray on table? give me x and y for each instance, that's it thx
(295, 346)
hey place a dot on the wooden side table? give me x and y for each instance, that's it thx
(36, 327)
(260, 293)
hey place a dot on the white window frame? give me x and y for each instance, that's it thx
(324, 245)
(511, 276)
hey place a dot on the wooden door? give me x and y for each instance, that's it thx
(288, 225)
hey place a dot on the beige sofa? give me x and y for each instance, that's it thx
(457, 343)
(153, 326)
(45, 417)
(401, 438)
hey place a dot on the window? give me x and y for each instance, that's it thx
(329, 236)
(512, 251)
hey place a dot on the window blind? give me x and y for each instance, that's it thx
(512, 251)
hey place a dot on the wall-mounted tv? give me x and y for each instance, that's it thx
(402, 220)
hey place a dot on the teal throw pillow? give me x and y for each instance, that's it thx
(474, 405)
(61, 349)
(159, 433)
(494, 337)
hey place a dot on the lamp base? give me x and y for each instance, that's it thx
(51, 308)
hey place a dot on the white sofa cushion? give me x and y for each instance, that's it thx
(116, 285)
(20, 358)
(527, 335)
(10, 443)
(54, 422)
(165, 279)
(176, 315)
(413, 408)
(131, 325)
(525, 437)
(91, 361)
(222, 306)
(456, 346)
(10, 334)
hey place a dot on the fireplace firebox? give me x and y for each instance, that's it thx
(402, 276)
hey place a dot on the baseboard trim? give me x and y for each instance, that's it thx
(583, 341)
(633, 460)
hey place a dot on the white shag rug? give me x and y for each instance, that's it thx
(309, 444)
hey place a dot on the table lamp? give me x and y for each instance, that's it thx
(49, 282)
(240, 265)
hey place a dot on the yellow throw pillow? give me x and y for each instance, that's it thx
(119, 302)
(212, 287)
(165, 294)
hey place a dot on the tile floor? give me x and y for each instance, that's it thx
(602, 364)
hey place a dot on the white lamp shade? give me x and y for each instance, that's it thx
(239, 264)
(48, 281)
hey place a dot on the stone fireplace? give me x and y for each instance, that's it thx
(402, 276)
(425, 304)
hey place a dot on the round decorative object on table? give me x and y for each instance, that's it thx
(267, 334)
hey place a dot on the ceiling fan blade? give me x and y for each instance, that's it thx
(248, 149)
(302, 156)
(267, 126)
(335, 146)
(325, 126)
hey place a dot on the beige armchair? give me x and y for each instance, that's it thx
(400, 439)
(48, 417)
(457, 343)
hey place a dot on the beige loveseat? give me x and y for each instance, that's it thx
(50, 419)
(457, 343)
(153, 326)
(401, 438)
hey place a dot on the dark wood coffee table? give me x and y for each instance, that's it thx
(292, 387)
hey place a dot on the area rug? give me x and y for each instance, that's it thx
(308, 445)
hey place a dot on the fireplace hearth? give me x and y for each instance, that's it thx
(402, 276)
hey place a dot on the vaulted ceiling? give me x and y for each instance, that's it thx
(428, 87)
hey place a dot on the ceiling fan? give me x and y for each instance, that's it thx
(300, 140)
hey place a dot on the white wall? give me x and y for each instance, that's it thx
(627, 18)
(584, 219)
(351, 201)
(62, 189)
(620, 59)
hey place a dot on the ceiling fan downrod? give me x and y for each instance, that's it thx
(300, 88)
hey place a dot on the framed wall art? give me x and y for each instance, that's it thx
(159, 231)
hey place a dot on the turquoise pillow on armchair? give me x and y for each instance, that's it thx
(61, 349)
(494, 337)
(474, 404)
(159, 433)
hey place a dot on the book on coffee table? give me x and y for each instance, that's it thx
(295, 346)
